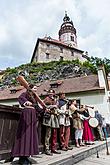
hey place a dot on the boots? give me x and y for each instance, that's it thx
(48, 152)
(9, 160)
(23, 160)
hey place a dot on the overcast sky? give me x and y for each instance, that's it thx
(23, 21)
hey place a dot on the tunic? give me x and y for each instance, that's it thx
(77, 122)
(63, 118)
(52, 121)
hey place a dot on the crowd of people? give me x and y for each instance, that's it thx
(60, 115)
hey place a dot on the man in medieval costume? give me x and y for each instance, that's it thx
(50, 120)
(64, 122)
(26, 140)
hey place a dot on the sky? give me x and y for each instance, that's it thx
(23, 21)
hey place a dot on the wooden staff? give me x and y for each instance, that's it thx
(24, 83)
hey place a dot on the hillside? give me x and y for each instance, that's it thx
(38, 72)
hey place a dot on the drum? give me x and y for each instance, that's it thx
(93, 122)
(91, 112)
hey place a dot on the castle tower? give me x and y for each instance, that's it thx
(67, 32)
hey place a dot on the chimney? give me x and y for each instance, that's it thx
(103, 83)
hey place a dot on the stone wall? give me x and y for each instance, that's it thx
(47, 52)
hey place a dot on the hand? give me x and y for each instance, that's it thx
(27, 103)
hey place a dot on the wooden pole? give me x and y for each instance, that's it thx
(24, 83)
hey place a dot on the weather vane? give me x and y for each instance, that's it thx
(65, 12)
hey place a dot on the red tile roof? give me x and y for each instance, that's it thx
(54, 41)
(70, 85)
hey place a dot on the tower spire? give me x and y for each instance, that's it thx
(67, 32)
(65, 13)
(66, 18)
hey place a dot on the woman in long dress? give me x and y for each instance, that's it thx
(88, 137)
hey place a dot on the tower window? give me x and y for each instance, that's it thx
(72, 53)
(48, 45)
(47, 55)
(72, 38)
(61, 58)
(61, 49)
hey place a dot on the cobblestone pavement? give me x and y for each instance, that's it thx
(103, 159)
